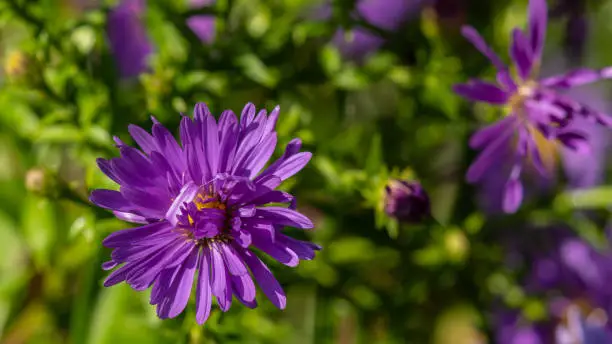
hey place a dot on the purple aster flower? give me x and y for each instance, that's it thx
(202, 25)
(406, 201)
(202, 206)
(581, 170)
(128, 37)
(538, 112)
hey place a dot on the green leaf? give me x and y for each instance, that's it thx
(259, 22)
(350, 250)
(350, 78)
(60, 133)
(429, 256)
(401, 76)
(39, 228)
(380, 62)
(309, 29)
(98, 136)
(257, 71)
(600, 197)
(330, 59)
(17, 116)
(374, 160)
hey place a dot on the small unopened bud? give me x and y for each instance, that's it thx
(16, 64)
(41, 182)
(407, 201)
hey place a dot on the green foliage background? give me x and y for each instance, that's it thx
(395, 115)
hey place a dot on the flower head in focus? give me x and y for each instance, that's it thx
(406, 201)
(538, 114)
(202, 207)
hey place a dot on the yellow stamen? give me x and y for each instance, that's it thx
(547, 149)
(202, 202)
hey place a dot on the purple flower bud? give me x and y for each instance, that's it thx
(406, 201)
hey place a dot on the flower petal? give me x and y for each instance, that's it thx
(234, 263)
(247, 115)
(521, 54)
(538, 18)
(305, 250)
(287, 167)
(143, 138)
(129, 217)
(245, 290)
(255, 161)
(479, 43)
(280, 253)
(183, 283)
(221, 286)
(513, 195)
(162, 284)
(149, 204)
(490, 133)
(211, 144)
(187, 194)
(269, 285)
(106, 168)
(131, 235)
(111, 199)
(575, 141)
(169, 148)
(285, 217)
(573, 78)
(493, 153)
(203, 292)
(482, 91)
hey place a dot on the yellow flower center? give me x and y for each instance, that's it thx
(202, 202)
(547, 149)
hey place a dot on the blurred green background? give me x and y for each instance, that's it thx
(390, 114)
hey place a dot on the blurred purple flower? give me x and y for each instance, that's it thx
(573, 277)
(581, 170)
(588, 329)
(202, 206)
(202, 25)
(539, 113)
(575, 327)
(385, 14)
(587, 170)
(129, 40)
(576, 27)
(407, 201)
(128, 37)
(511, 329)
